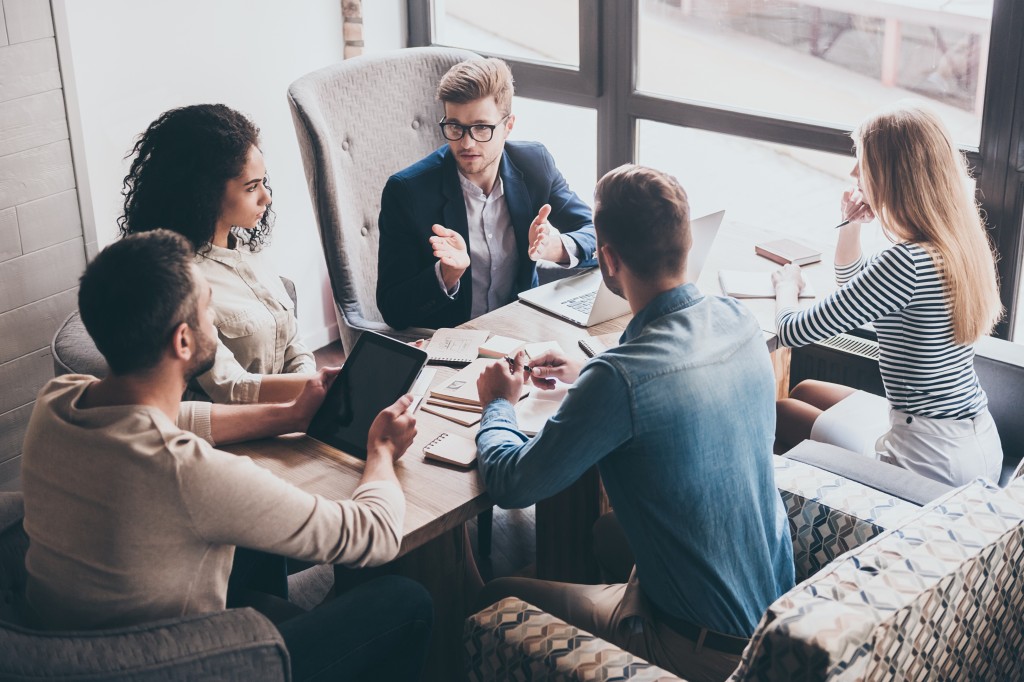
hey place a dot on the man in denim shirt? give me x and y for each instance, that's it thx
(680, 420)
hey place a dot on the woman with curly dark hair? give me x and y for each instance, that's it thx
(198, 170)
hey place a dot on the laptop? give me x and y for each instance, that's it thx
(585, 300)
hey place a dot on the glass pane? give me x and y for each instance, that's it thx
(786, 190)
(832, 61)
(533, 30)
(569, 133)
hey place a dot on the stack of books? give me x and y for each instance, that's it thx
(457, 399)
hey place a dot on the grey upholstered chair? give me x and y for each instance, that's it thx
(357, 123)
(237, 644)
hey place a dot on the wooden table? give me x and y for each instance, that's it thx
(440, 499)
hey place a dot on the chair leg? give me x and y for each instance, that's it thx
(484, 523)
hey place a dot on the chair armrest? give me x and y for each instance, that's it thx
(512, 640)
(881, 476)
(829, 514)
(238, 644)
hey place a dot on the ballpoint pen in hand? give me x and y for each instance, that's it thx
(845, 222)
(512, 364)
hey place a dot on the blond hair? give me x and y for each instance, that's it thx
(919, 187)
(475, 79)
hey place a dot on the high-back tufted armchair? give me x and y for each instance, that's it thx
(358, 122)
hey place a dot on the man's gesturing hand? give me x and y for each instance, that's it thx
(450, 248)
(545, 240)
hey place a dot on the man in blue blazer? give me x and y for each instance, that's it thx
(462, 229)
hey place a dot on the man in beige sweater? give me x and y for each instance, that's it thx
(134, 515)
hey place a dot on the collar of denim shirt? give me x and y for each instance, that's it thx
(682, 296)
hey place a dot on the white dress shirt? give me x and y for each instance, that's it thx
(494, 260)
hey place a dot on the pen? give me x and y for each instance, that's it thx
(512, 364)
(845, 222)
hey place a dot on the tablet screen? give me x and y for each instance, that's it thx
(376, 374)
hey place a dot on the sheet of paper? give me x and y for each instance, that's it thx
(534, 411)
(758, 284)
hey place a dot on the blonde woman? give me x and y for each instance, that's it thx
(930, 296)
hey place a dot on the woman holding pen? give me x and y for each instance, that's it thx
(930, 296)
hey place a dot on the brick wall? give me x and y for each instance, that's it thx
(42, 251)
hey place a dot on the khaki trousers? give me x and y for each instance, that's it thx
(601, 610)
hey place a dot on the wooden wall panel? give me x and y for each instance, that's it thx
(32, 121)
(42, 251)
(40, 274)
(48, 221)
(35, 173)
(22, 378)
(28, 69)
(28, 20)
(32, 326)
(10, 241)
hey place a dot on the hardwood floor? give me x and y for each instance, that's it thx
(513, 546)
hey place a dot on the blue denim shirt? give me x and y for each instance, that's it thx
(680, 419)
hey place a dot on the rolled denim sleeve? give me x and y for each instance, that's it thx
(594, 419)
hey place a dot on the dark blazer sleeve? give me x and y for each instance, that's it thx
(408, 293)
(570, 214)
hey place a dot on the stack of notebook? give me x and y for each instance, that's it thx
(457, 399)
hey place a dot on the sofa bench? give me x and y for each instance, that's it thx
(885, 590)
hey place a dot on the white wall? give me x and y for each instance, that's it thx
(130, 60)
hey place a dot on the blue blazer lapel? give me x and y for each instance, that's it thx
(517, 198)
(454, 203)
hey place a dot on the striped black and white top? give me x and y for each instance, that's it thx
(901, 291)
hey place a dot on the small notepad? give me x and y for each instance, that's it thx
(451, 449)
(741, 284)
(455, 346)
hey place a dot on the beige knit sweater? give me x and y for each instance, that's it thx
(133, 518)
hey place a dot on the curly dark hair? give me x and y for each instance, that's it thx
(180, 168)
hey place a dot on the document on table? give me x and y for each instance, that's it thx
(534, 411)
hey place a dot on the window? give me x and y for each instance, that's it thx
(533, 30)
(828, 61)
(761, 84)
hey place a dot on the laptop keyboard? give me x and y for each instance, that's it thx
(582, 303)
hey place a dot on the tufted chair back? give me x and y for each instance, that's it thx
(358, 122)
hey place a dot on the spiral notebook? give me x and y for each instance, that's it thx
(451, 449)
(455, 346)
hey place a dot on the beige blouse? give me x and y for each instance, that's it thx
(255, 319)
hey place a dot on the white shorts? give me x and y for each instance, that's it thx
(952, 451)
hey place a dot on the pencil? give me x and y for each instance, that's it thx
(845, 222)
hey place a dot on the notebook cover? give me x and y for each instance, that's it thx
(451, 449)
(461, 417)
(461, 386)
(455, 346)
(785, 251)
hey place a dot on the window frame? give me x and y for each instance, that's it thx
(606, 81)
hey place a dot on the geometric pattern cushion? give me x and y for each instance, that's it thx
(512, 640)
(938, 597)
(830, 515)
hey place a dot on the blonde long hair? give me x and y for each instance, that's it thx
(918, 185)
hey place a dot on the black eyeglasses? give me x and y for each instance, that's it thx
(481, 132)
